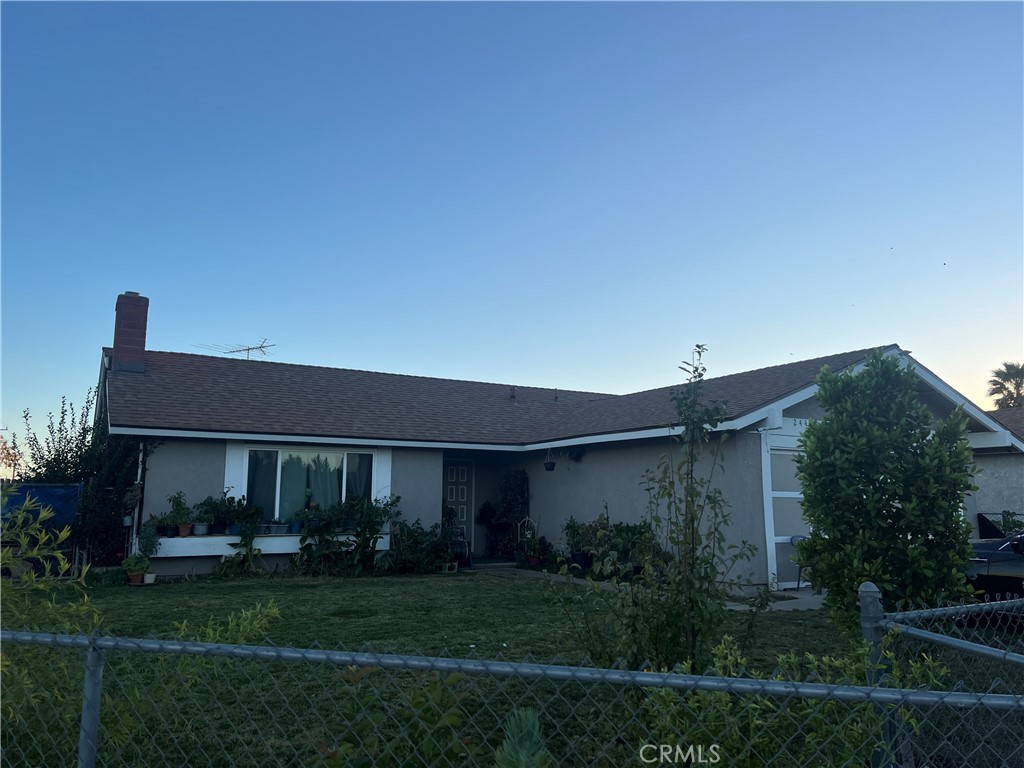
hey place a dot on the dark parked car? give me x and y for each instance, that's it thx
(997, 568)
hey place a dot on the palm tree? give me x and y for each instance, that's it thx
(1007, 386)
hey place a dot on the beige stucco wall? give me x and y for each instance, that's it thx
(1000, 482)
(416, 477)
(193, 466)
(612, 474)
(807, 409)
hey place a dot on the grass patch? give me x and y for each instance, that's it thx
(462, 615)
(222, 712)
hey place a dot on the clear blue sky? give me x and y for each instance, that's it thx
(562, 195)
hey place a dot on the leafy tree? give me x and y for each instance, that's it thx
(1007, 386)
(10, 459)
(672, 613)
(63, 453)
(73, 450)
(884, 487)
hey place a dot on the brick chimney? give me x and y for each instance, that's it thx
(130, 317)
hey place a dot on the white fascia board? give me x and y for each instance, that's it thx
(989, 439)
(612, 437)
(253, 437)
(269, 438)
(741, 422)
(1002, 437)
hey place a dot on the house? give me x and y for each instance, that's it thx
(1000, 478)
(280, 433)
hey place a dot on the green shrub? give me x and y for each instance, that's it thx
(224, 509)
(884, 486)
(248, 558)
(40, 689)
(415, 549)
(343, 540)
(751, 731)
(523, 746)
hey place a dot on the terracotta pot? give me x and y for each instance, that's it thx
(185, 530)
(135, 578)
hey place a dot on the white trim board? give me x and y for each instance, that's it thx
(375, 442)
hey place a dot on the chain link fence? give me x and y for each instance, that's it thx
(976, 647)
(106, 701)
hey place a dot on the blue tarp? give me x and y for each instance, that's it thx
(62, 498)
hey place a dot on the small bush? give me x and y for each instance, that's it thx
(415, 549)
(341, 540)
(750, 729)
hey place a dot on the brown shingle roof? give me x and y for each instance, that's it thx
(212, 394)
(1011, 418)
(742, 393)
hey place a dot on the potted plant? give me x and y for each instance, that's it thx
(162, 525)
(202, 517)
(582, 539)
(277, 527)
(180, 514)
(149, 544)
(135, 566)
(295, 524)
(149, 540)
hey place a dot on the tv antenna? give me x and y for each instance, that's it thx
(237, 349)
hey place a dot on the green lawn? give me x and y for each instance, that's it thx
(170, 710)
(481, 614)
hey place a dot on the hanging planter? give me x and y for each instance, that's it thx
(549, 462)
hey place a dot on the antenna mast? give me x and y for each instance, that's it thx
(237, 349)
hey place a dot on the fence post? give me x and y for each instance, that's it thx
(92, 690)
(871, 616)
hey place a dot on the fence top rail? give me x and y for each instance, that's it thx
(1009, 606)
(732, 685)
(958, 643)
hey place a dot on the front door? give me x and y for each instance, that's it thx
(458, 494)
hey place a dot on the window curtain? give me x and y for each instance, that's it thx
(307, 478)
(324, 478)
(262, 482)
(293, 484)
(359, 475)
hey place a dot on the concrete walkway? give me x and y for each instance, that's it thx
(791, 599)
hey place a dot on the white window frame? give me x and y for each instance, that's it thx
(279, 449)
